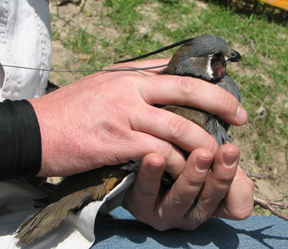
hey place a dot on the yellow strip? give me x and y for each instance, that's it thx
(278, 3)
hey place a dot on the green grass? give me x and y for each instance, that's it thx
(144, 26)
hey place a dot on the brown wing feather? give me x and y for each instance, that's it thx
(70, 196)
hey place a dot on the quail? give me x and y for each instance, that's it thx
(203, 57)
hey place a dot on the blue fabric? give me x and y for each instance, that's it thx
(254, 232)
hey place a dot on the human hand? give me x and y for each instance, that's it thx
(223, 191)
(109, 118)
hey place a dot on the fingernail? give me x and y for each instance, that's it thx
(155, 167)
(230, 159)
(241, 114)
(203, 163)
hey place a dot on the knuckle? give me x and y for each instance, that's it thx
(195, 182)
(179, 204)
(208, 142)
(116, 131)
(224, 177)
(211, 144)
(178, 128)
(208, 202)
(221, 186)
(147, 193)
(187, 88)
(165, 149)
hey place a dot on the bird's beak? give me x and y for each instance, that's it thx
(235, 56)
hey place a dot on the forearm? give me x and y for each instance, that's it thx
(20, 143)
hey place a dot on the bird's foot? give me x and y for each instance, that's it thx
(256, 176)
(272, 206)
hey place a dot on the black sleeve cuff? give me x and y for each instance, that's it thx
(20, 140)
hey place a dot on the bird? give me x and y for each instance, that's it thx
(204, 57)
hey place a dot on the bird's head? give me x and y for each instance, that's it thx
(204, 57)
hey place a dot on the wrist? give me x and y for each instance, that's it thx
(46, 139)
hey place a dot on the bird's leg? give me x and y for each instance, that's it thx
(256, 176)
(272, 206)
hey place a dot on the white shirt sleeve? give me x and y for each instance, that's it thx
(24, 41)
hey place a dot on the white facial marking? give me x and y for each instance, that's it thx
(208, 68)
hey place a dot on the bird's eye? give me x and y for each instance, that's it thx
(218, 56)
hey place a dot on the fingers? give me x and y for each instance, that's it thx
(218, 181)
(163, 212)
(239, 202)
(198, 193)
(187, 91)
(141, 199)
(182, 195)
(174, 128)
(193, 211)
(129, 125)
(194, 92)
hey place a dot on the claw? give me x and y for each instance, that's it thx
(272, 205)
(256, 176)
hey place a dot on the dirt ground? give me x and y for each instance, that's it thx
(71, 17)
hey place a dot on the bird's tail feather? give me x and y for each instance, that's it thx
(52, 215)
(217, 130)
(69, 197)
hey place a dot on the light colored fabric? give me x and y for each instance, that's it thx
(24, 41)
(76, 231)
